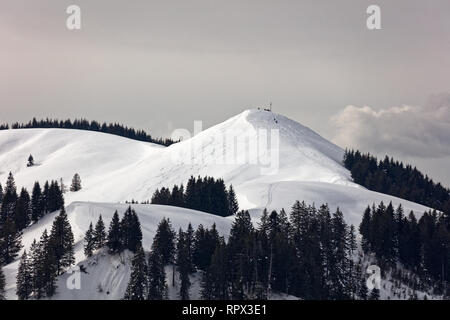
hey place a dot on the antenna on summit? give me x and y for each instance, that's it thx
(269, 108)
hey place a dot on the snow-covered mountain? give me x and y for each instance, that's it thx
(277, 162)
(115, 169)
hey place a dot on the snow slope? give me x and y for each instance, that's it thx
(244, 151)
(81, 214)
(115, 169)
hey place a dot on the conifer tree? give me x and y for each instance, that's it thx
(54, 197)
(233, 206)
(364, 230)
(156, 277)
(183, 264)
(215, 281)
(62, 241)
(114, 242)
(36, 203)
(263, 224)
(2, 284)
(204, 245)
(1, 194)
(9, 201)
(10, 241)
(89, 243)
(239, 251)
(46, 267)
(137, 288)
(276, 246)
(24, 287)
(304, 236)
(62, 186)
(34, 256)
(30, 161)
(339, 274)
(189, 238)
(192, 195)
(76, 183)
(130, 227)
(177, 196)
(99, 235)
(23, 210)
(164, 241)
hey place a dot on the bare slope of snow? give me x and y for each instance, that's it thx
(81, 214)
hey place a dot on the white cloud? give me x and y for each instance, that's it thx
(414, 131)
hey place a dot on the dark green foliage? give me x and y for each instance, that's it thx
(421, 246)
(204, 194)
(130, 230)
(9, 199)
(37, 203)
(162, 196)
(99, 235)
(30, 161)
(23, 210)
(114, 241)
(50, 199)
(61, 242)
(137, 288)
(394, 178)
(240, 250)
(89, 243)
(2, 284)
(10, 241)
(55, 199)
(184, 263)
(44, 267)
(164, 242)
(177, 196)
(83, 124)
(205, 243)
(365, 230)
(156, 277)
(312, 254)
(233, 206)
(215, 281)
(76, 183)
(24, 285)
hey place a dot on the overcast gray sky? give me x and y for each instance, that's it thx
(158, 65)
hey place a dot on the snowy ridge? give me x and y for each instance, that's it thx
(114, 169)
